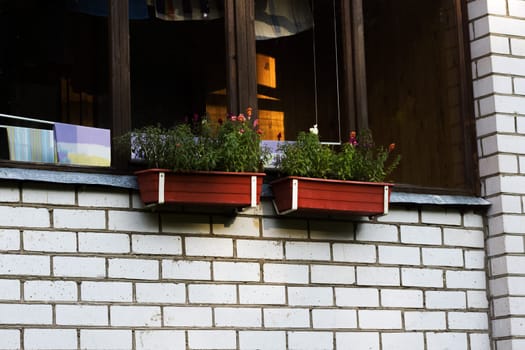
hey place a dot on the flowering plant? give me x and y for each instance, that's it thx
(357, 159)
(232, 144)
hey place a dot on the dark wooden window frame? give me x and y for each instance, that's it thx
(241, 71)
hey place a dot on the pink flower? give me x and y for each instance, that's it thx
(241, 118)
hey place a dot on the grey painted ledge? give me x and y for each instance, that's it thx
(130, 182)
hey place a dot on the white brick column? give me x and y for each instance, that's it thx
(497, 31)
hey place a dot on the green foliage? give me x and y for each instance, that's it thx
(358, 159)
(231, 145)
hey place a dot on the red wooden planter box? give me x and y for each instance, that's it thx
(214, 188)
(295, 193)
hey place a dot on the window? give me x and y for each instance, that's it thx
(400, 68)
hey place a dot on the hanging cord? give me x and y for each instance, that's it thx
(337, 74)
(315, 62)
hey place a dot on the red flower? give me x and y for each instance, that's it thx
(391, 147)
(259, 131)
(241, 131)
(241, 118)
(249, 112)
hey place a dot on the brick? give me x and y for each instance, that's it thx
(466, 279)
(236, 271)
(467, 320)
(463, 238)
(24, 217)
(240, 226)
(159, 340)
(481, 341)
(475, 259)
(135, 316)
(507, 265)
(185, 316)
(85, 315)
(24, 265)
(103, 242)
(310, 296)
(307, 251)
(422, 277)
(487, 126)
(9, 290)
(506, 344)
(9, 338)
(380, 319)
(400, 216)
(286, 318)
(260, 249)
(262, 340)
(334, 318)
(9, 240)
(133, 268)
(452, 341)
(278, 228)
(106, 291)
(79, 219)
(376, 233)
(105, 339)
(48, 194)
(421, 235)
(425, 320)
(186, 269)
(262, 294)
(380, 276)
(207, 339)
(357, 340)
(406, 340)
(445, 300)
(50, 291)
(356, 297)
(442, 257)
(285, 273)
(182, 223)
(310, 340)
(405, 298)
(477, 299)
(363, 253)
(26, 314)
(202, 246)
(109, 198)
(504, 244)
(50, 241)
(160, 292)
(238, 317)
(399, 255)
(441, 217)
(133, 221)
(9, 193)
(332, 274)
(156, 244)
(79, 267)
(52, 339)
(211, 293)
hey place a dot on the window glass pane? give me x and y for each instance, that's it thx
(298, 69)
(178, 64)
(53, 62)
(414, 94)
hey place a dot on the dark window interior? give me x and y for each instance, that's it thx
(54, 65)
(177, 69)
(307, 77)
(414, 92)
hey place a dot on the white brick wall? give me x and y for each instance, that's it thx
(158, 281)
